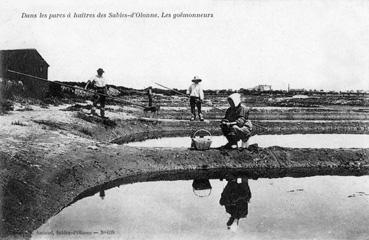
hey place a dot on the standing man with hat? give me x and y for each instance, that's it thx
(196, 98)
(98, 83)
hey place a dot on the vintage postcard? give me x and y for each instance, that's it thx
(189, 119)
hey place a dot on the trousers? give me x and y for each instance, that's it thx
(195, 102)
(235, 133)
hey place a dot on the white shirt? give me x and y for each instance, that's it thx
(195, 90)
(99, 81)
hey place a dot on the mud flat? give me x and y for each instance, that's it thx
(50, 157)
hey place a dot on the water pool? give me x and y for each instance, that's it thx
(320, 207)
(293, 140)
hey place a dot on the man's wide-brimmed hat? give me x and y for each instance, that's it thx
(100, 70)
(196, 79)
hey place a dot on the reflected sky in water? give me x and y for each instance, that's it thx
(320, 207)
(293, 140)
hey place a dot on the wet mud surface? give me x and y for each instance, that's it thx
(52, 162)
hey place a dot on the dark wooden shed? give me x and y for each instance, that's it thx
(28, 61)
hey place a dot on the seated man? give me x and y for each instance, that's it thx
(235, 125)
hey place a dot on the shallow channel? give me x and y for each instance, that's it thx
(292, 140)
(319, 207)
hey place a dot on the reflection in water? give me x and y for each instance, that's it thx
(320, 207)
(201, 187)
(235, 198)
(102, 194)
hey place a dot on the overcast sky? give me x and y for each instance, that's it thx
(309, 44)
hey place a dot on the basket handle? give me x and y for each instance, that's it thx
(201, 130)
(197, 195)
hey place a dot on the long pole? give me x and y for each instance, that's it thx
(171, 89)
(76, 87)
(182, 94)
(208, 104)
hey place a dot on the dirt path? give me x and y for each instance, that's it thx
(48, 157)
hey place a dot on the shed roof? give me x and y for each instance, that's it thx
(8, 52)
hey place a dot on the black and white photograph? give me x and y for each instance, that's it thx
(186, 119)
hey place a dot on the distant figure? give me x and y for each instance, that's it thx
(98, 83)
(236, 125)
(153, 109)
(149, 95)
(196, 98)
(235, 198)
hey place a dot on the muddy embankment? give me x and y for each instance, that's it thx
(49, 171)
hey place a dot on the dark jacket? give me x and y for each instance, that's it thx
(239, 114)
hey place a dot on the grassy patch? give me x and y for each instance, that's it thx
(85, 131)
(19, 123)
(77, 107)
(96, 119)
(26, 108)
(50, 124)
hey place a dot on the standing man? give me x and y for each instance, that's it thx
(196, 98)
(98, 83)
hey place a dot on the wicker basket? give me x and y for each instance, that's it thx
(201, 142)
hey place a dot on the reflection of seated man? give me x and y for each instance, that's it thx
(235, 197)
